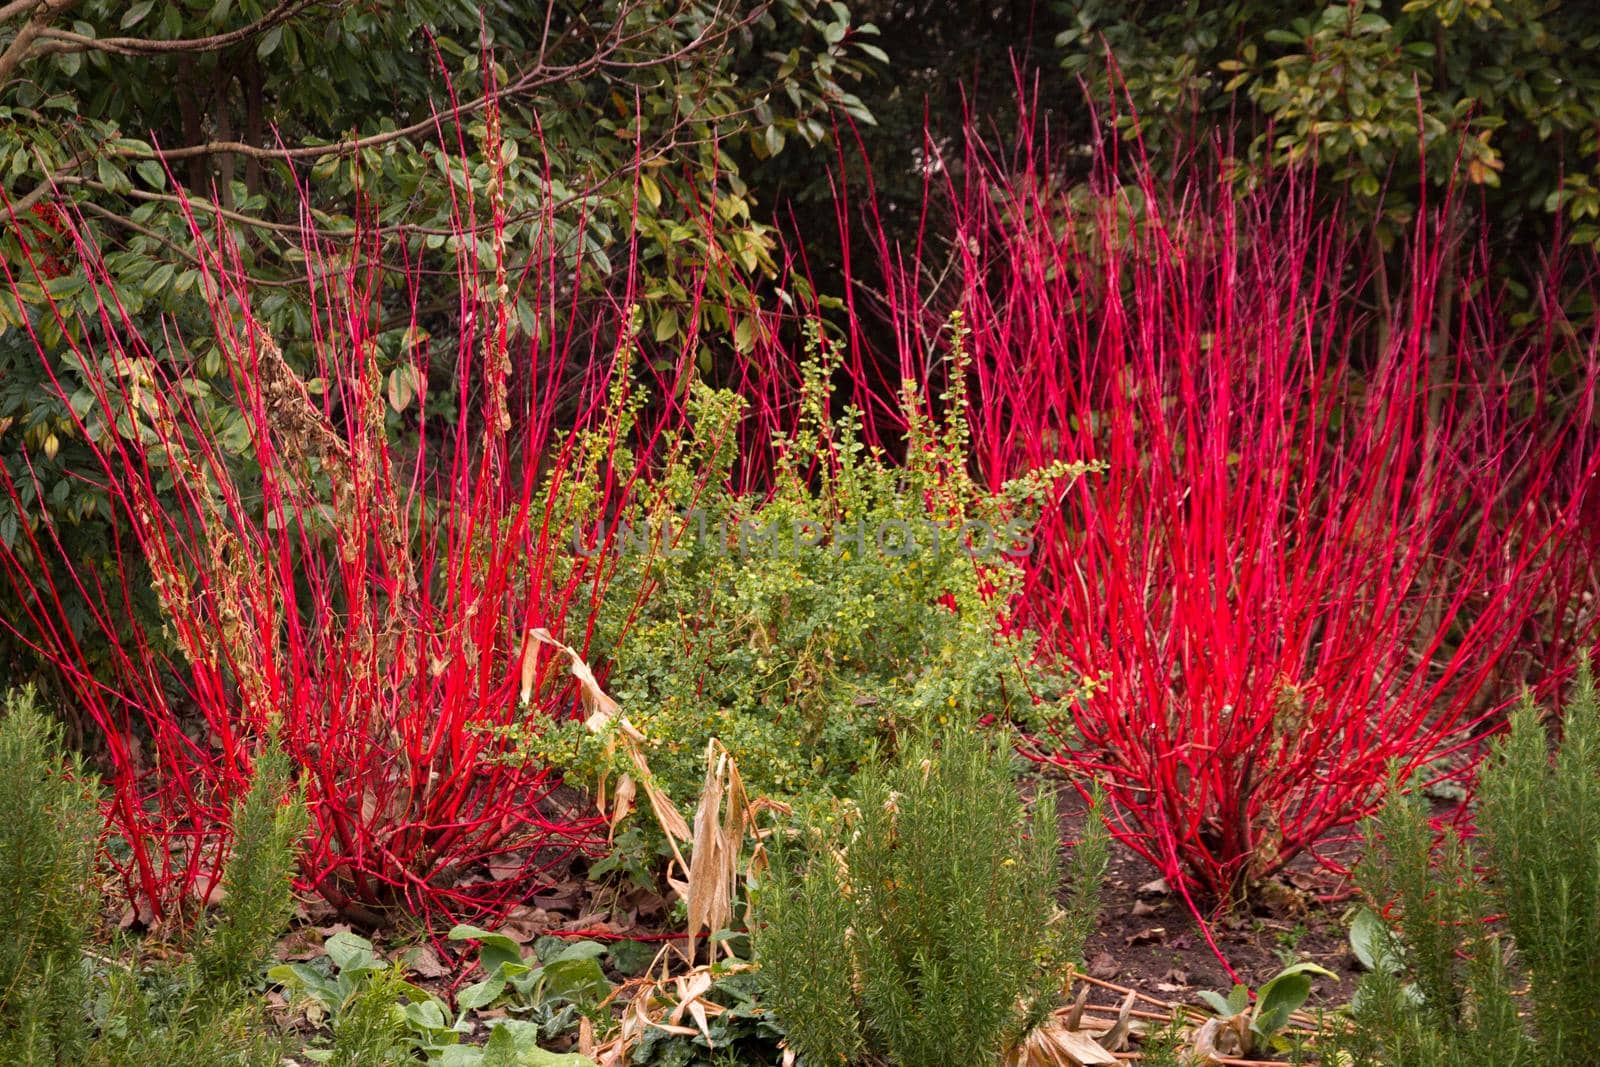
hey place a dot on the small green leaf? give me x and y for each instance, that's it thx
(481, 994)
(111, 176)
(269, 42)
(1216, 1002)
(650, 190)
(158, 279)
(426, 1014)
(494, 950)
(667, 325)
(575, 979)
(352, 953)
(136, 13)
(578, 950)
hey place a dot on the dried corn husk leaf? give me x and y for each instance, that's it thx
(1053, 1045)
(622, 802)
(1220, 1039)
(1117, 1037)
(530, 662)
(603, 712)
(601, 708)
(720, 821)
(659, 1002)
(690, 989)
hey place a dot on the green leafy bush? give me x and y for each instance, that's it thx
(61, 1002)
(1450, 985)
(927, 933)
(805, 626)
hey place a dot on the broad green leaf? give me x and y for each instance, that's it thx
(519, 1048)
(667, 325)
(269, 42)
(1283, 995)
(111, 176)
(351, 953)
(494, 950)
(650, 189)
(1368, 938)
(577, 979)
(481, 994)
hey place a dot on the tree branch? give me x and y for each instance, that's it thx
(20, 47)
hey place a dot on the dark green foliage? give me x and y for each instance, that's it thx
(1382, 95)
(583, 91)
(63, 1001)
(928, 933)
(1449, 987)
(613, 121)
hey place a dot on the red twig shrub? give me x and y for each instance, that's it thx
(1323, 540)
(356, 576)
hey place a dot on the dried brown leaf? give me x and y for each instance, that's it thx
(1117, 1037)
(1053, 1045)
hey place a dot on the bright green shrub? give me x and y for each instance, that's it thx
(1451, 986)
(370, 1027)
(928, 932)
(799, 626)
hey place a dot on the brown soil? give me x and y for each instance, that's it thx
(1149, 940)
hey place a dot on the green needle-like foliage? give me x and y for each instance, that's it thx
(931, 935)
(1540, 819)
(1449, 987)
(48, 831)
(257, 901)
(64, 1001)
